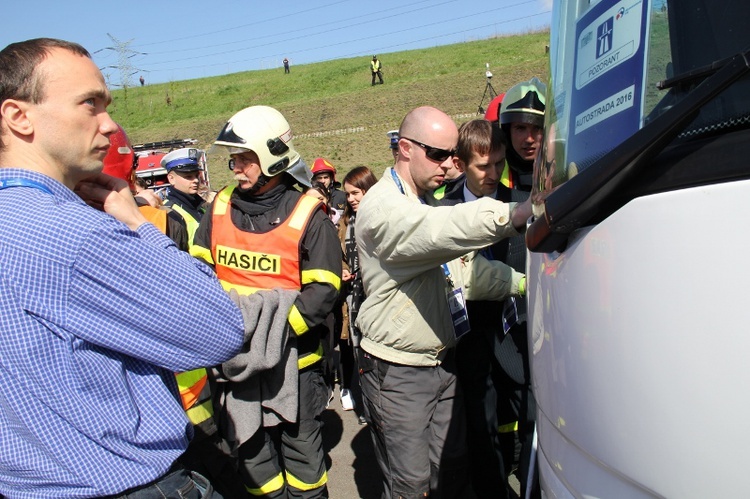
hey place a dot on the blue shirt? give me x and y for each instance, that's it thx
(94, 320)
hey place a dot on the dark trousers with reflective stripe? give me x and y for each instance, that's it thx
(491, 454)
(418, 427)
(288, 460)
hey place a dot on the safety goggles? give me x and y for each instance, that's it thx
(434, 153)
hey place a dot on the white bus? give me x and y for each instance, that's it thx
(639, 323)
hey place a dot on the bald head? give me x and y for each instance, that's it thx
(427, 138)
(423, 120)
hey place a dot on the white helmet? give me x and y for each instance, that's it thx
(266, 132)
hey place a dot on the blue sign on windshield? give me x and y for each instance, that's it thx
(610, 61)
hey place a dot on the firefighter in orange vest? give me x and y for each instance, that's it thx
(207, 453)
(263, 233)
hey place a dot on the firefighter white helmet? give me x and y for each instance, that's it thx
(524, 103)
(266, 132)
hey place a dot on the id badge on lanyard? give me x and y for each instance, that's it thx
(459, 316)
(455, 297)
(510, 314)
(457, 306)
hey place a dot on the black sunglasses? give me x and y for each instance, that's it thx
(434, 153)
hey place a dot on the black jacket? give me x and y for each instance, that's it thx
(194, 204)
(320, 250)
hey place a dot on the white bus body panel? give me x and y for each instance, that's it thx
(640, 350)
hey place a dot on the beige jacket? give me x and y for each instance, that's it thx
(401, 244)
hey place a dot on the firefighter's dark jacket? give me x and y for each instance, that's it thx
(320, 253)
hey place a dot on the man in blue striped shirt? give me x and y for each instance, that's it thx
(89, 340)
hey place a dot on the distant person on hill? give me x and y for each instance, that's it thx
(375, 69)
(286, 65)
(142, 80)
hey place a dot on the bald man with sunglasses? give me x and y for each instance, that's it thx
(417, 277)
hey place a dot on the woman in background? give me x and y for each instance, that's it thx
(356, 184)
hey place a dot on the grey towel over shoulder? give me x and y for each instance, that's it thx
(260, 385)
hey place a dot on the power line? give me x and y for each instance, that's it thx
(124, 54)
(379, 49)
(318, 25)
(255, 22)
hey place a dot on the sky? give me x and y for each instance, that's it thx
(177, 40)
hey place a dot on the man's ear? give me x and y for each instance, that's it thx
(404, 148)
(170, 177)
(14, 116)
(458, 164)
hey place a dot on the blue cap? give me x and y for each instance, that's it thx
(182, 160)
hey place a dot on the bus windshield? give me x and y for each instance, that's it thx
(616, 66)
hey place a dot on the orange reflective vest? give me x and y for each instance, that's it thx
(195, 391)
(155, 216)
(248, 262)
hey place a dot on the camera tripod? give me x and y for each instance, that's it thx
(487, 88)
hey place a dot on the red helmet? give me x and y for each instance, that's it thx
(323, 166)
(493, 108)
(120, 159)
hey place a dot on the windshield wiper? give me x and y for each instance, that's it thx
(577, 201)
(695, 74)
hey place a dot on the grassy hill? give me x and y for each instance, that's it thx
(332, 108)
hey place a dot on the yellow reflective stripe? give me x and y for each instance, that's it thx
(300, 485)
(306, 205)
(320, 275)
(505, 177)
(508, 428)
(243, 290)
(189, 378)
(201, 253)
(310, 358)
(222, 200)
(439, 193)
(200, 412)
(272, 485)
(522, 286)
(296, 321)
(190, 222)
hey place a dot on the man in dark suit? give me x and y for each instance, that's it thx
(490, 359)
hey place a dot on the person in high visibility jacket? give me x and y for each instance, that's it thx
(207, 453)
(184, 167)
(375, 67)
(259, 234)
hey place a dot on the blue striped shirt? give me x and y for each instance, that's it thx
(94, 320)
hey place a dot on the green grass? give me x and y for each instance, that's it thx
(333, 110)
